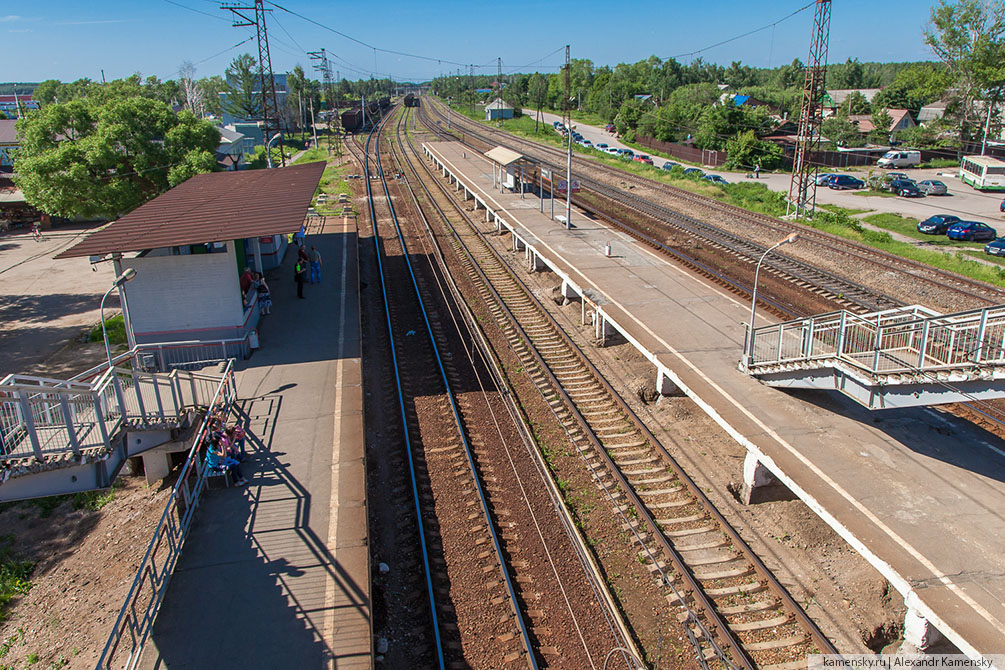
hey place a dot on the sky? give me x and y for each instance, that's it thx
(70, 39)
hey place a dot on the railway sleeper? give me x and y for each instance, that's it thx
(762, 624)
(780, 643)
(648, 457)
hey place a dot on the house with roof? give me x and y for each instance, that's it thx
(230, 153)
(498, 109)
(932, 112)
(901, 119)
(9, 141)
(189, 247)
(834, 98)
(14, 105)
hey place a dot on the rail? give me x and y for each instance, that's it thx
(908, 340)
(142, 603)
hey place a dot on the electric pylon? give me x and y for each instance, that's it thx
(270, 107)
(803, 187)
(322, 64)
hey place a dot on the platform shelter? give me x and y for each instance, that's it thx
(189, 248)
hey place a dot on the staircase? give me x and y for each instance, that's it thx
(902, 357)
(64, 436)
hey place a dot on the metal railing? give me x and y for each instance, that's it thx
(44, 418)
(897, 341)
(135, 621)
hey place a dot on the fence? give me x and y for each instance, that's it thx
(684, 152)
(900, 341)
(136, 618)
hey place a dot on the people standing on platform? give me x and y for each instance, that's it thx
(264, 295)
(247, 278)
(300, 275)
(315, 265)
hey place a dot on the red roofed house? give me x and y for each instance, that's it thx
(901, 119)
(189, 247)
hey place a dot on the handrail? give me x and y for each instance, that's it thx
(170, 535)
(904, 340)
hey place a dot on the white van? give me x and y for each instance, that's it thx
(900, 159)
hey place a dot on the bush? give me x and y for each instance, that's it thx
(116, 327)
(745, 151)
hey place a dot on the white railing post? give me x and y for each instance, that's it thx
(99, 417)
(877, 344)
(138, 392)
(980, 336)
(841, 331)
(71, 431)
(808, 344)
(29, 423)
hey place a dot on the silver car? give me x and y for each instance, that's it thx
(823, 177)
(932, 187)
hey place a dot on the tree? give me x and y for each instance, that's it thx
(47, 92)
(746, 151)
(94, 157)
(538, 87)
(243, 98)
(855, 103)
(190, 89)
(210, 89)
(969, 37)
(842, 132)
(881, 121)
(297, 98)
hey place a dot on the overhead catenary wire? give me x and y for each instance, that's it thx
(689, 54)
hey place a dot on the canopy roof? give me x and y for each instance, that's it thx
(506, 157)
(211, 207)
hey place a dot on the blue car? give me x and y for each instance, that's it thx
(971, 231)
(693, 172)
(715, 179)
(668, 166)
(938, 224)
(995, 248)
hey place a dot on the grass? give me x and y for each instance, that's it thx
(311, 155)
(850, 211)
(116, 327)
(15, 575)
(878, 194)
(907, 226)
(940, 163)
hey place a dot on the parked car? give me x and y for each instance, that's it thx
(932, 187)
(906, 188)
(900, 159)
(609, 127)
(628, 152)
(971, 231)
(601, 146)
(614, 151)
(824, 177)
(668, 166)
(840, 182)
(693, 172)
(995, 247)
(938, 224)
(642, 158)
(715, 179)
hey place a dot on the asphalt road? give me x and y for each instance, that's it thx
(962, 200)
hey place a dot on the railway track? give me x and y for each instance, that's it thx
(489, 606)
(733, 610)
(846, 292)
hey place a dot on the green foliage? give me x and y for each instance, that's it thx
(746, 151)
(855, 103)
(242, 81)
(104, 154)
(881, 120)
(842, 132)
(15, 574)
(116, 327)
(210, 89)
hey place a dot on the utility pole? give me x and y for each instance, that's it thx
(270, 107)
(803, 187)
(471, 85)
(499, 77)
(320, 63)
(567, 120)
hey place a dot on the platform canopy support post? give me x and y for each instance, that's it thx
(760, 484)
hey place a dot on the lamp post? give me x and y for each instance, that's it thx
(748, 345)
(119, 281)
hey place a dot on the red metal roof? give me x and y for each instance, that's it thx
(211, 207)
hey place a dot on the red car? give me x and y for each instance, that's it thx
(609, 127)
(642, 158)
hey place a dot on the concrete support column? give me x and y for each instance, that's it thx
(665, 386)
(568, 292)
(486, 214)
(601, 328)
(256, 248)
(919, 633)
(759, 485)
(535, 262)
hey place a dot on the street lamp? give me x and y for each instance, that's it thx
(748, 345)
(119, 281)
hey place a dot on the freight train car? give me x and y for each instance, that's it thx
(352, 120)
(411, 100)
(385, 103)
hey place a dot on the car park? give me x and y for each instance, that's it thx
(693, 172)
(840, 182)
(933, 187)
(668, 166)
(824, 177)
(938, 224)
(971, 231)
(906, 188)
(715, 179)
(995, 247)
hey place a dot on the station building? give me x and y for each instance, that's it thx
(189, 247)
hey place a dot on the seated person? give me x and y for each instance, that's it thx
(217, 459)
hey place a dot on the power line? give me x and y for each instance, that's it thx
(746, 34)
(197, 11)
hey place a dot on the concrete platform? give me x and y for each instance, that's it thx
(920, 495)
(276, 575)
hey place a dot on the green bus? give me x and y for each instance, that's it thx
(984, 173)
